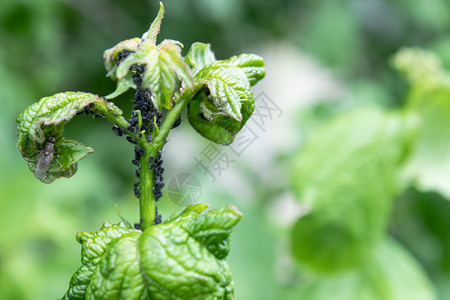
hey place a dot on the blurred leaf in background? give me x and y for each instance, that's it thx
(347, 176)
(377, 279)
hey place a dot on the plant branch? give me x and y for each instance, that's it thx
(181, 102)
(147, 200)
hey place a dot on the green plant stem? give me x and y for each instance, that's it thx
(147, 201)
(172, 116)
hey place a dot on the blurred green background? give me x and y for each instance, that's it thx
(322, 58)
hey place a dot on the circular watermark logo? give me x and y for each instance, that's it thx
(184, 189)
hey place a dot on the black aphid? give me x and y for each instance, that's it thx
(177, 122)
(117, 130)
(131, 140)
(136, 192)
(158, 218)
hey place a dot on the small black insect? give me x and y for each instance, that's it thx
(177, 122)
(97, 115)
(131, 140)
(158, 217)
(45, 159)
(117, 130)
(136, 192)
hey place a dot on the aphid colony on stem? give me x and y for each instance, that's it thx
(143, 120)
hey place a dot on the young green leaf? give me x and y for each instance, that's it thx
(45, 119)
(429, 101)
(153, 31)
(178, 259)
(199, 56)
(164, 66)
(348, 174)
(225, 104)
(251, 64)
(113, 57)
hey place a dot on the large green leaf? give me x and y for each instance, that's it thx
(182, 258)
(347, 175)
(429, 99)
(44, 121)
(389, 274)
(224, 106)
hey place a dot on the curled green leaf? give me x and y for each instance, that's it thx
(226, 102)
(224, 106)
(41, 125)
(113, 57)
(182, 258)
